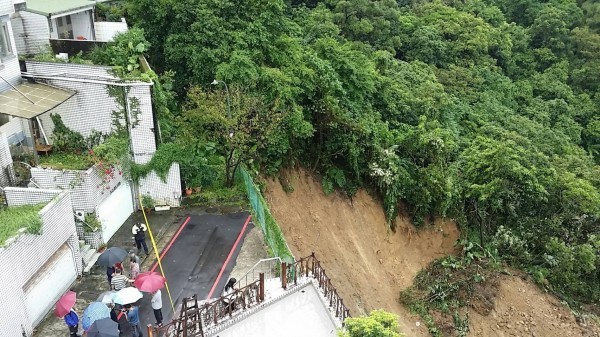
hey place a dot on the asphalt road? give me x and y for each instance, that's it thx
(194, 259)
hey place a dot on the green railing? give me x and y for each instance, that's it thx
(262, 217)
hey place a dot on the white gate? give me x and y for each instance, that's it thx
(49, 284)
(114, 210)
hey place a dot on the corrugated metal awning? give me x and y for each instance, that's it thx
(56, 7)
(44, 97)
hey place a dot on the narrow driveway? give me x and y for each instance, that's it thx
(199, 259)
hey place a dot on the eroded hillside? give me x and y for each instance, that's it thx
(370, 266)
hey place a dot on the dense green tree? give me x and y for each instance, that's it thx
(483, 110)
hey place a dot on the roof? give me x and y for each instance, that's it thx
(44, 96)
(57, 7)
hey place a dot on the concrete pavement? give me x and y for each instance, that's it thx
(164, 226)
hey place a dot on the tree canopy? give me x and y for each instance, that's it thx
(485, 111)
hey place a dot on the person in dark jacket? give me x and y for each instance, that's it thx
(110, 271)
(72, 321)
(139, 234)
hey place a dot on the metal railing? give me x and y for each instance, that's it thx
(311, 267)
(269, 267)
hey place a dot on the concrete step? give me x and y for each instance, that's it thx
(94, 257)
(84, 249)
(87, 256)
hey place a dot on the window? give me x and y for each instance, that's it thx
(5, 45)
(68, 17)
(59, 22)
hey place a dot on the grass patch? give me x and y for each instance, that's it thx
(14, 218)
(444, 292)
(66, 161)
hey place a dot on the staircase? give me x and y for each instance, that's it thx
(89, 256)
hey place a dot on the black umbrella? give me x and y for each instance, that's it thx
(111, 256)
(105, 327)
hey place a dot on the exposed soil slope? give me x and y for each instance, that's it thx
(368, 266)
(522, 309)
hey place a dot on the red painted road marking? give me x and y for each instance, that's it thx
(212, 290)
(164, 252)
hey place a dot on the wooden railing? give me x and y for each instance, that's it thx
(197, 320)
(311, 267)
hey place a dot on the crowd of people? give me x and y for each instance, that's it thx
(126, 316)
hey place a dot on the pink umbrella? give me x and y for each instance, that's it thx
(149, 281)
(65, 304)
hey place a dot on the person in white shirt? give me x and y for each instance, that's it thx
(157, 306)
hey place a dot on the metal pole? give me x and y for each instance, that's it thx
(228, 101)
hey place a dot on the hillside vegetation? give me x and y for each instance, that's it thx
(483, 111)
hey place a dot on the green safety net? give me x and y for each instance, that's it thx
(262, 216)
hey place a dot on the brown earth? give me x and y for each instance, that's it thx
(370, 266)
(522, 309)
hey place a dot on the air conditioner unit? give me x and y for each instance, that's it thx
(80, 216)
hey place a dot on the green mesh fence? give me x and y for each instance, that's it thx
(262, 216)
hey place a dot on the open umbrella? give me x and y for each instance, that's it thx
(105, 327)
(65, 304)
(149, 281)
(111, 256)
(94, 312)
(106, 297)
(127, 296)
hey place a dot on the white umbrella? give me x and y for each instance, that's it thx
(107, 297)
(127, 296)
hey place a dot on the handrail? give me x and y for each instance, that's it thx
(270, 272)
(311, 267)
(198, 320)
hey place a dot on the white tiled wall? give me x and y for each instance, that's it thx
(5, 162)
(87, 189)
(31, 33)
(30, 252)
(163, 192)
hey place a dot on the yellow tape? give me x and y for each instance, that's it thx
(157, 254)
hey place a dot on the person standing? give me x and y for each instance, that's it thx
(157, 307)
(133, 255)
(110, 271)
(119, 281)
(134, 268)
(72, 321)
(139, 234)
(133, 317)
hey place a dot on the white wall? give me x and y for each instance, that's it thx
(6, 7)
(10, 68)
(106, 31)
(30, 252)
(31, 33)
(5, 161)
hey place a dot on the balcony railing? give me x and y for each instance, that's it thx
(199, 320)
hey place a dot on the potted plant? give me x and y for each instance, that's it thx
(147, 202)
(92, 231)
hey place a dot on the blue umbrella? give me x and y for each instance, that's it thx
(94, 312)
